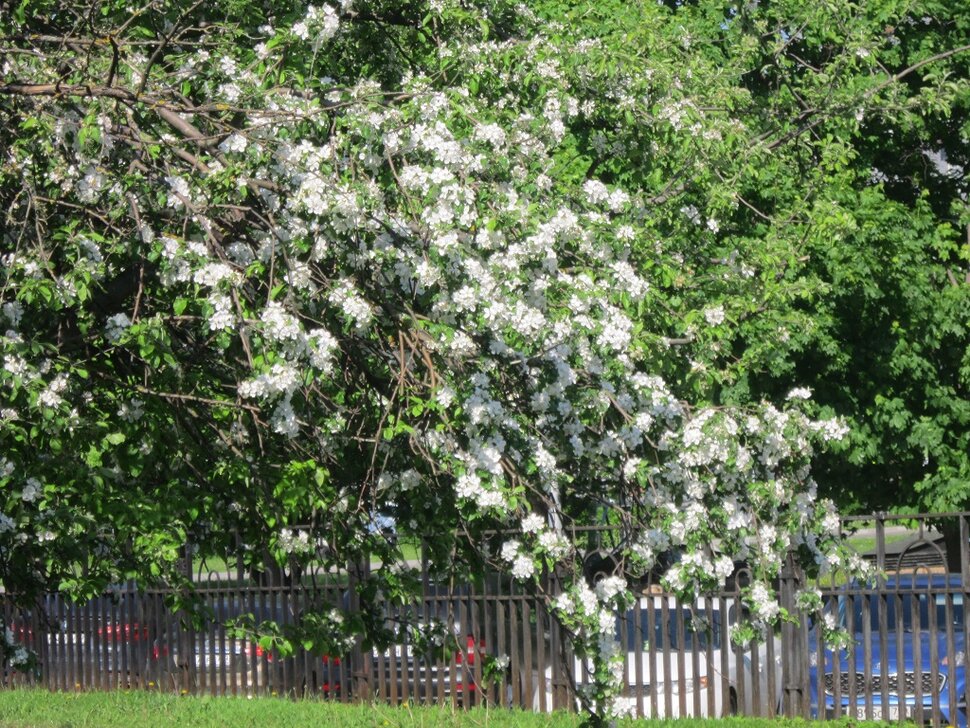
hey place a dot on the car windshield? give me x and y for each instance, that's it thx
(681, 630)
(906, 612)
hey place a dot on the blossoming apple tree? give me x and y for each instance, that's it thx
(269, 265)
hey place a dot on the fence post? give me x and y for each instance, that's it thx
(880, 518)
(185, 629)
(794, 645)
(360, 663)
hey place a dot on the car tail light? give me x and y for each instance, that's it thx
(470, 650)
(125, 632)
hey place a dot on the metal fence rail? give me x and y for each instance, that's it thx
(905, 660)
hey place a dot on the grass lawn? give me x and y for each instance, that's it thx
(867, 544)
(215, 565)
(31, 708)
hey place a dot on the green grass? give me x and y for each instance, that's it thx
(33, 708)
(867, 544)
(218, 565)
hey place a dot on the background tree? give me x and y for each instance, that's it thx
(881, 222)
(841, 192)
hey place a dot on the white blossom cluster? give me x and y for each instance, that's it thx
(321, 23)
(295, 541)
(16, 653)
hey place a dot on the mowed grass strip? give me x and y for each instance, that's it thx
(33, 708)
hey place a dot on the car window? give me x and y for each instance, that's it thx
(682, 630)
(905, 612)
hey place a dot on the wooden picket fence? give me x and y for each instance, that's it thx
(496, 644)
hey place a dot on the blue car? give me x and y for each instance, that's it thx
(914, 670)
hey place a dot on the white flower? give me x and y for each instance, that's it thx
(180, 191)
(555, 544)
(765, 607)
(587, 599)
(628, 278)
(800, 393)
(299, 275)
(222, 317)
(20, 657)
(596, 191)
(51, 397)
(90, 186)
(284, 419)
(115, 327)
(523, 567)
(212, 274)
(279, 325)
(532, 523)
(234, 143)
(240, 253)
(609, 588)
(131, 411)
(490, 133)
(623, 707)
(723, 568)
(229, 91)
(31, 490)
(545, 462)
(322, 346)
(564, 603)
(352, 304)
(714, 315)
(15, 365)
(692, 214)
(831, 523)
(832, 429)
(13, 311)
(510, 550)
(295, 541)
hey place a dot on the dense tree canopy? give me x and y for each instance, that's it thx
(471, 265)
(876, 101)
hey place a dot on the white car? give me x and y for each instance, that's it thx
(679, 661)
